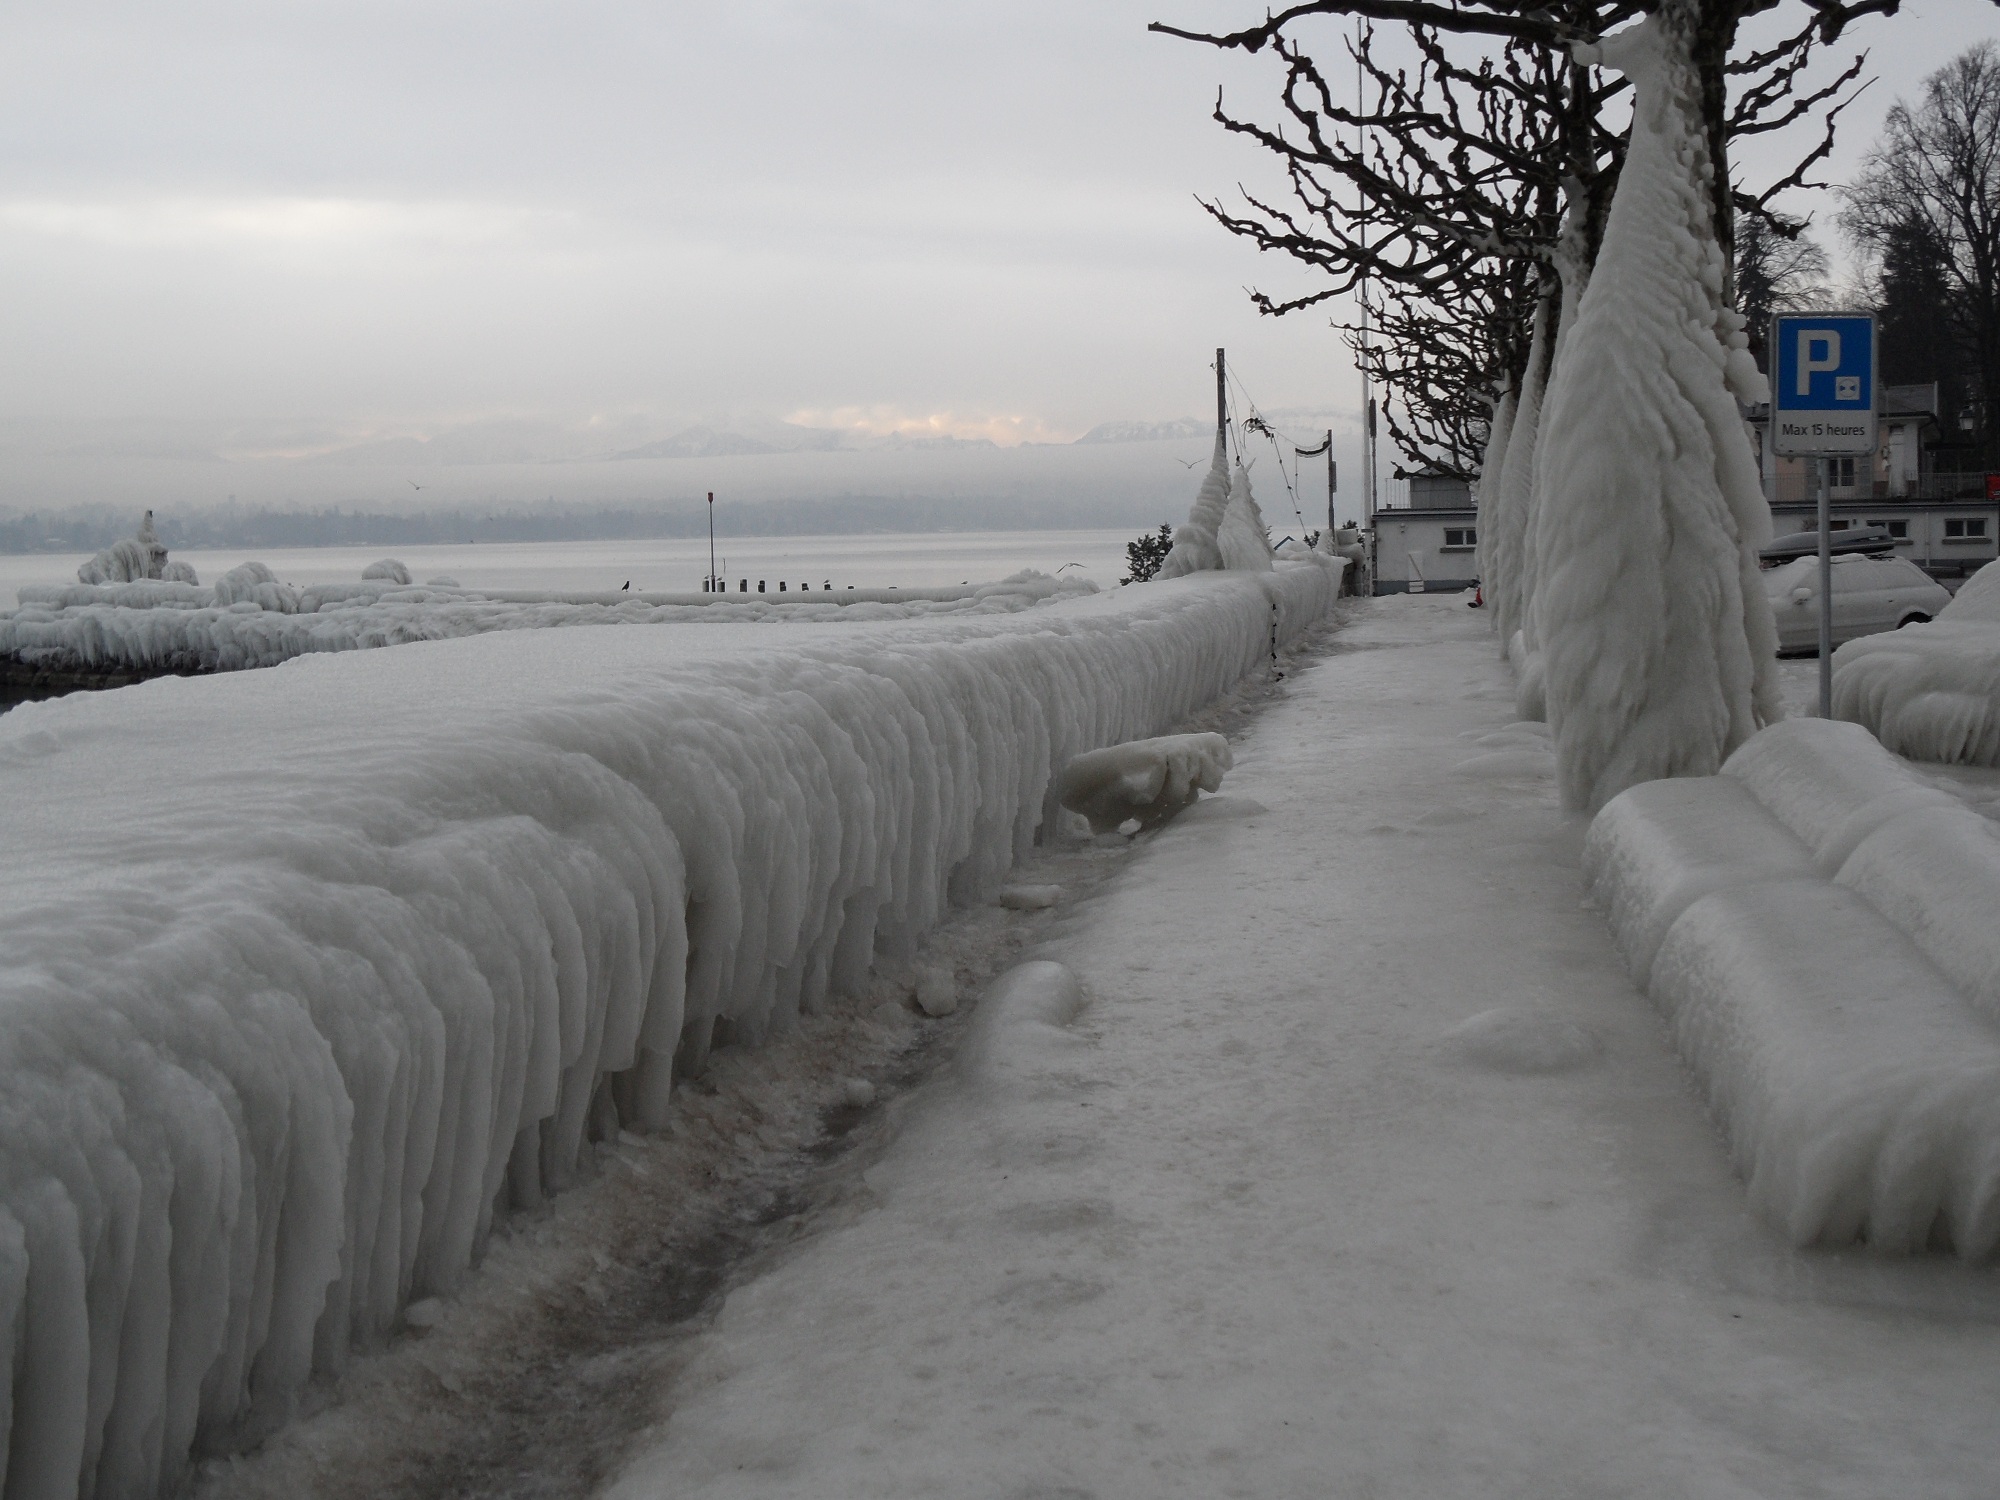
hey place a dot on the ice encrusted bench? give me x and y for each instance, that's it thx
(1821, 931)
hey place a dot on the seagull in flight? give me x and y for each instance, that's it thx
(413, 484)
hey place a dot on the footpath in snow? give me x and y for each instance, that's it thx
(1356, 1166)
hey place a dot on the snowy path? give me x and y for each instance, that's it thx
(1269, 1220)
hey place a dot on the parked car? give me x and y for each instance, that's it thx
(1870, 595)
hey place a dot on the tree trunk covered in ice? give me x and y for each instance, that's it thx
(1658, 646)
(1507, 588)
(1488, 494)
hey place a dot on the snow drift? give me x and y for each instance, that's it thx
(1658, 647)
(1816, 925)
(313, 972)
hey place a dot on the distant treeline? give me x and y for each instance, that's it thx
(237, 527)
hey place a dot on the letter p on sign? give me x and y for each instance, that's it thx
(1819, 350)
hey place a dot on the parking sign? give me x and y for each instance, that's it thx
(1823, 383)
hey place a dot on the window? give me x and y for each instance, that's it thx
(1965, 529)
(1841, 473)
(1460, 538)
(1900, 530)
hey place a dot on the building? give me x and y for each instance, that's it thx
(1945, 523)
(1434, 537)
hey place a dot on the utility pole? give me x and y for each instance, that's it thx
(710, 586)
(1221, 405)
(1331, 479)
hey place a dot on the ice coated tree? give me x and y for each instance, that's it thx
(1927, 207)
(1662, 665)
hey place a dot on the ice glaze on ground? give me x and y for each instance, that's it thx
(1283, 1212)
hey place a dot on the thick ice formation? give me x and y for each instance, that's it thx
(1195, 549)
(255, 584)
(1241, 538)
(1659, 647)
(250, 619)
(1977, 599)
(1147, 781)
(126, 561)
(1507, 526)
(391, 937)
(1816, 924)
(388, 569)
(1491, 467)
(1931, 692)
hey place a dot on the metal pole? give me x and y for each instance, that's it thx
(1825, 593)
(711, 543)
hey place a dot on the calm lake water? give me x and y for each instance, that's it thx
(905, 559)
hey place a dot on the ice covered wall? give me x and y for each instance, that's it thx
(250, 619)
(312, 972)
(1194, 549)
(1241, 538)
(1659, 650)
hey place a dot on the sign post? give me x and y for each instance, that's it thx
(1823, 405)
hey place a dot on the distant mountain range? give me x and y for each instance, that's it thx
(530, 442)
(1148, 432)
(707, 442)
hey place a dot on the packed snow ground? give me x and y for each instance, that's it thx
(315, 972)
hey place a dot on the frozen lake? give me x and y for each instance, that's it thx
(902, 559)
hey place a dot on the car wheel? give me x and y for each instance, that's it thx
(1913, 620)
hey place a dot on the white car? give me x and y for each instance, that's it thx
(1870, 594)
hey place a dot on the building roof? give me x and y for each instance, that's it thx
(1908, 400)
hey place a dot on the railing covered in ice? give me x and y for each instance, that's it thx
(310, 973)
(150, 626)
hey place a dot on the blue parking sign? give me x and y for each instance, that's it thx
(1823, 383)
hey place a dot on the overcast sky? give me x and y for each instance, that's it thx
(345, 219)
